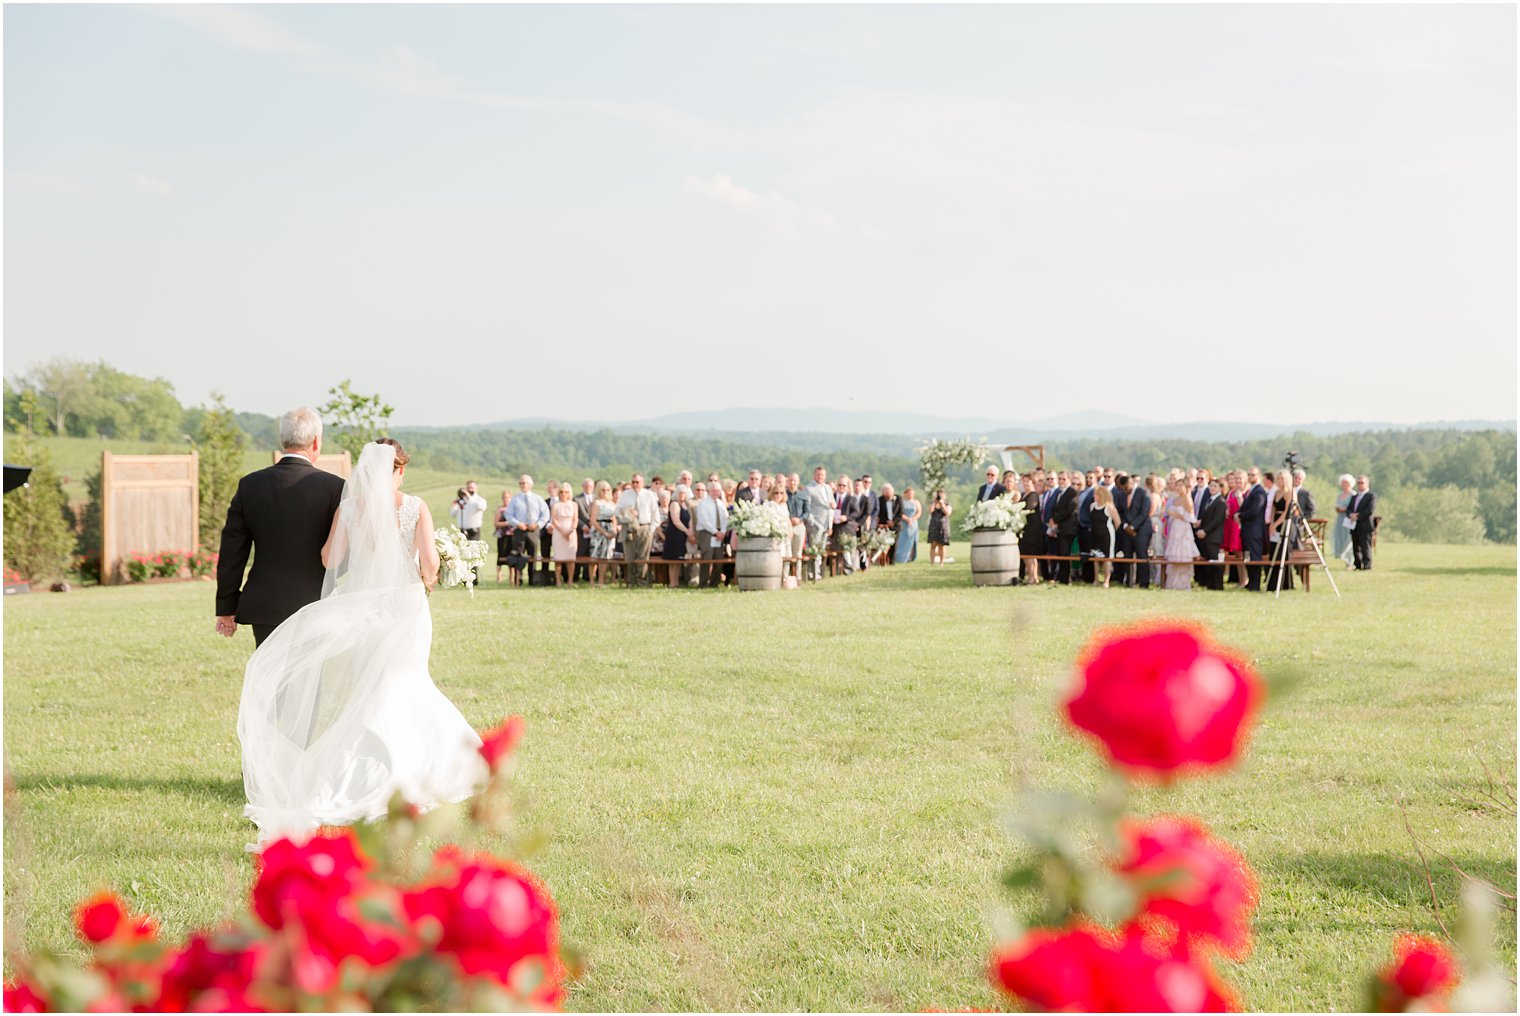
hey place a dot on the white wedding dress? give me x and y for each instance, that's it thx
(338, 710)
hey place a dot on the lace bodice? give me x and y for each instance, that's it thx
(406, 519)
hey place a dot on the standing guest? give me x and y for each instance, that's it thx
(282, 515)
(527, 515)
(863, 518)
(1306, 505)
(730, 492)
(1137, 526)
(991, 488)
(1084, 484)
(1048, 492)
(1109, 479)
(677, 536)
(1361, 513)
(711, 521)
(1340, 538)
(468, 511)
(1010, 482)
(546, 536)
(940, 511)
(870, 506)
(683, 479)
(819, 517)
(1209, 532)
(603, 533)
(1104, 523)
(844, 521)
(889, 517)
(751, 491)
(657, 538)
(906, 549)
(657, 487)
(584, 501)
(504, 539)
(638, 513)
(1229, 542)
(1032, 539)
(1253, 527)
(1200, 490)
(797, 510)
(1123, 545)
(564, 521)
(1061, 530)
(1181, 541)
(1158, 522)
(1283, 534)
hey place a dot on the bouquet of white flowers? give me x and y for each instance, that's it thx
(876, 541)
(458, 558)
(998, 513)
(764, 519)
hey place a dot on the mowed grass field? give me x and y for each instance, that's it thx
(793, 800)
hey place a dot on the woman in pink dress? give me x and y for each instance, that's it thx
(1181, 547)
(1230, 541)
(563, 518)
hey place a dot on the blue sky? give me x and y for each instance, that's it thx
(487, 212)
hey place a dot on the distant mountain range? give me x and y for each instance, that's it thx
(774, 424)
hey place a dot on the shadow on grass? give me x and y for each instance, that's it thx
(230, 791)
(1457, 571)
(1384, 875)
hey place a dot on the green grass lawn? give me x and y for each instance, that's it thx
(792, 800)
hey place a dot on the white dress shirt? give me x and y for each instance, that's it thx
(640, 506)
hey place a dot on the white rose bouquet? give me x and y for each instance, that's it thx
(998, 513)
(763, 520)
(458, 558)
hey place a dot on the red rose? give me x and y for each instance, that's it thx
(336, 932)
(1199, 885)
(1423, 971)
(490, 916)
(292, 878)
(103, 918)
(1160, 700)
(1086, 969)
(211, 968)
(496, 745)
(20, 996)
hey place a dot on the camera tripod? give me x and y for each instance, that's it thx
(1297, 523)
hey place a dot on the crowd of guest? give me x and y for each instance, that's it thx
(1103, 526)
(1099, 526)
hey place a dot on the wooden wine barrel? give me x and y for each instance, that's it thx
(757, 563)
(994, 557)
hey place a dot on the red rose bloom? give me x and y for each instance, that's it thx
(1423, 971)
(103, 918)
(1199, 885)
(490, 916)
(1160, 700)
(496, 745)
(1086, 969)
(211, 971)
(293, 879)
(20, 996)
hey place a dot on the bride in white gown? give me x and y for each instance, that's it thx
(338, 709)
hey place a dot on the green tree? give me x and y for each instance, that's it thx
(358, 419)
(1436, 515)
(39, 527)
(219, 442)
(65, 382)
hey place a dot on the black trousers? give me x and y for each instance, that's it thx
(1361, 548)
(1088, 572)
(261, 632)
(1252, 547)
(582, 549)
(1210, 576)
(1062, 572)
(1124, 546)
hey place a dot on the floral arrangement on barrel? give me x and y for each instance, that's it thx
(1002, 512)
(763, 520)
(459, 558)
(354, 920)
(1137, 925)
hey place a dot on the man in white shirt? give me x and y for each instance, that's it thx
(639, 512)
(711, 521)
(468, 511)
(820, 516)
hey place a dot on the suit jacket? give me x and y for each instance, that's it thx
(849, 517)
(889, 511)
(1063, 511)
(1365, 505)
(820, 504)
(745, 494)
(1212, 524)
(284, 513)
(583, 506)
(1084, 507)
(1253, 512)
(1121, 502)
(870, 504)
(1137, 515)
(1306, 502)
(998, 490)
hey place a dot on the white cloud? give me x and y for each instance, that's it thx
(239, 27)
(781, 217)
(49, 183)
(149, 185)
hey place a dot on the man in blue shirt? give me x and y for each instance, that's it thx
(527, 515)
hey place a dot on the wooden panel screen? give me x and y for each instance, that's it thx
(337, 463)
(148, 503)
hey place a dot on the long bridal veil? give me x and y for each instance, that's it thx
(338, 710)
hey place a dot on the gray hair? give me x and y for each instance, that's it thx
(1299, 476)
(300, 428)
(1346, 478)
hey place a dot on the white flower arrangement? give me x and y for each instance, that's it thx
(999, 513)
(760, 520)
(876, 541)
(458, 558)
(936, 457)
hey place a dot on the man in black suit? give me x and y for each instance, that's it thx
(751, 490)
(1062, 527)
(283, 512)
(1360, 511)
(846, 522)
(1210, 533)
(867, 508)
(1124, 544)
(1253, 527)
(990, 489)
(1086, 486)
(585, 504)
(1137, 525)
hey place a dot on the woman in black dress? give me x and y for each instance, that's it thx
(677, 529)
(1032, 539)
(1284, 536)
